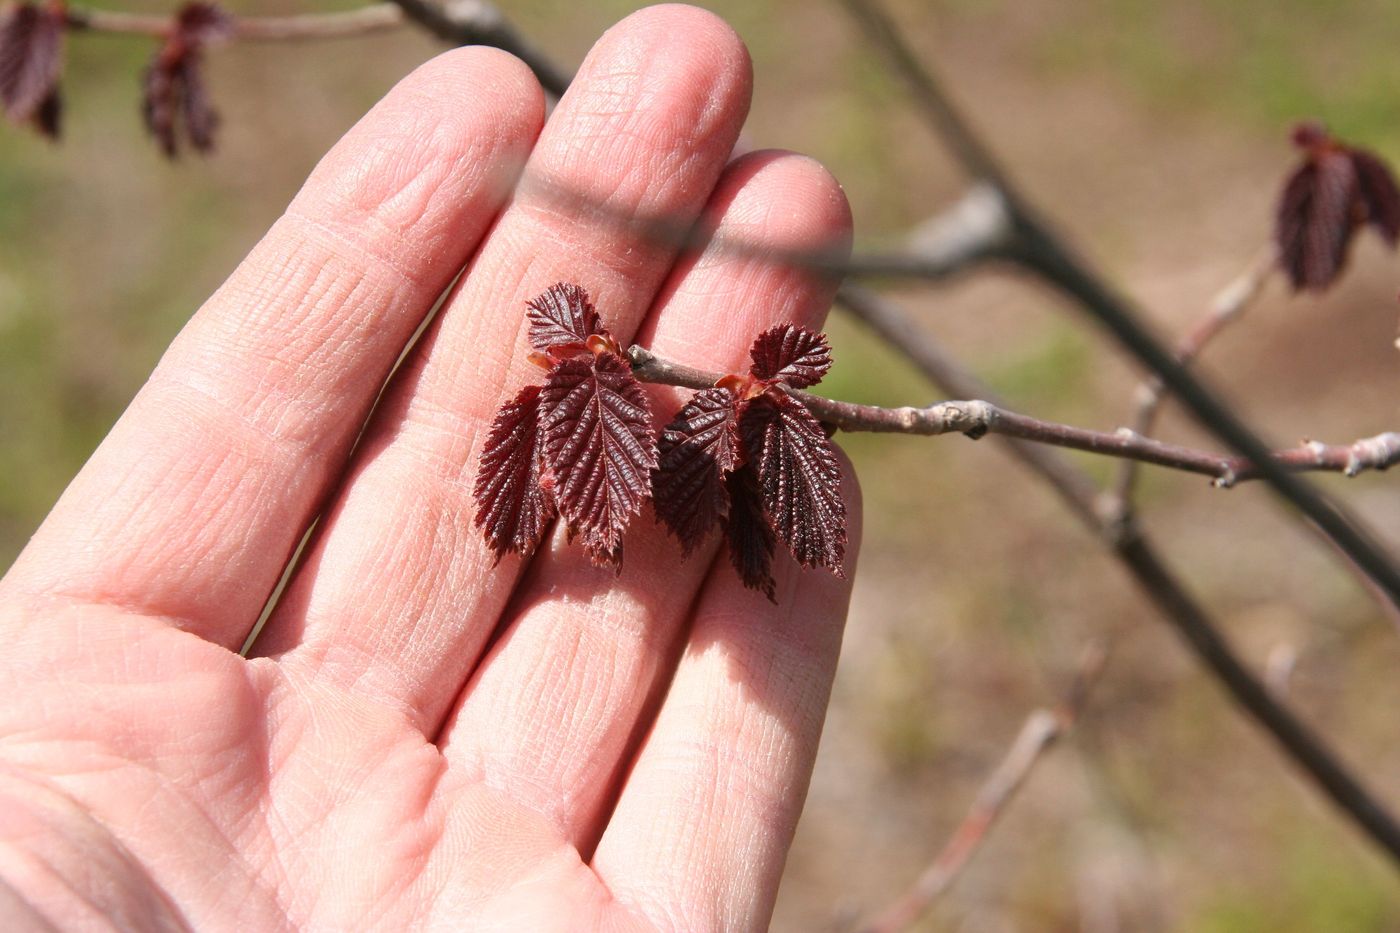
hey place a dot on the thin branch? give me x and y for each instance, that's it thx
(1042, 251)
(476, 22)
(460, 22)
(1228, 306)
(905, 337)
(926, 93)
(370, 19)
(977, 418)
(975, 228)
(1130, 544)
(1042, 729)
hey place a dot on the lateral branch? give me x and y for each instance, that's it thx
(976, 418)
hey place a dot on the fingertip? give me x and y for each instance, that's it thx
(488, 74)
(673, 80)
(691, 30)
(799, 203)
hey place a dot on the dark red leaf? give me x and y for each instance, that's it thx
(1379, 194)
(1315, 219)
(562, 315)
(200, 117)
(159, 103)
(799, 479)
(791, 354)
(512, 506)
(598, 444)
(174, 93)
(746, 529)
(696, 449)
(31, 61)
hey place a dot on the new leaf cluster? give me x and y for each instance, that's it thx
(174, 100)
(580, 446)
(749, 456)
(744, 454)
(1334, 192)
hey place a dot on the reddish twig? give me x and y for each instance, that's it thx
(460, 22)
(1227, 307)
(977, 418)
(366, 20)
(1042, 729)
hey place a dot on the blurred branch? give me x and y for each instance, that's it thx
(1042, 251)
(476, 22)
(978, 418)
(1129, 543)
(975, 228)
(369, 19)
(1227, 307)
(460, 22)
(928, 95)
(1042, 729)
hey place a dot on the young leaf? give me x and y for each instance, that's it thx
(799, 478)
(1335, 190)
(696, 449)
(791, 354)
(512, 507)
(1314, 220)
(562, 315)
(31, 61)
(746, 529)
(598, 445)
(173, 91)
(1379, 194)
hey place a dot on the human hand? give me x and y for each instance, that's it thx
(418, 739)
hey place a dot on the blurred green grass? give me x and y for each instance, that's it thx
(975, 586)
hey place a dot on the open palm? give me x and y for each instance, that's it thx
(419, 738)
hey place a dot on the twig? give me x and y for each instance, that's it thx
(476, 22)
(460, 22)
(1043, 252)
(973, 229)
(1227, 307)
(977, 418)
(1129, 543)
(369, 19)
(937, 109)
(1042, 729)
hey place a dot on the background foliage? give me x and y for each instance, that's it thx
(1157, 134)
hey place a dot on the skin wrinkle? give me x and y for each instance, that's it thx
(228, 854)
(457, 145)
(168, 562)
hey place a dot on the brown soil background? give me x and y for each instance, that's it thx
(1156, 135)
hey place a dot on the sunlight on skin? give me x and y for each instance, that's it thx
(378, 763)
